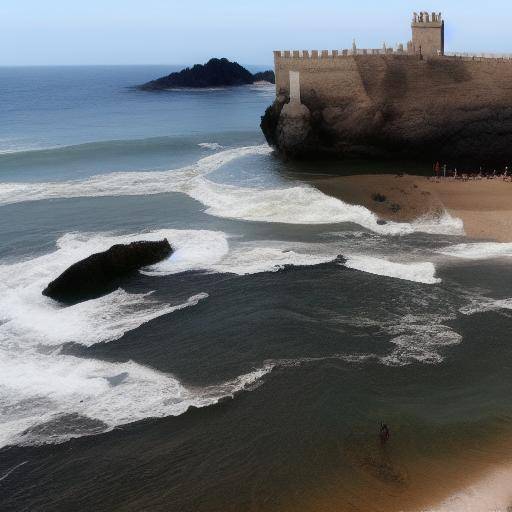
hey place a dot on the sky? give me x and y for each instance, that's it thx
(70, 32)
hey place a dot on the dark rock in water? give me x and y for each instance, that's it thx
(100, 273)
(215, 73)
(381, 222)
(265, 76)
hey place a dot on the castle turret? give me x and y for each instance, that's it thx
(427, 34)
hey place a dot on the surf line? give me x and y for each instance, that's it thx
(12, 470)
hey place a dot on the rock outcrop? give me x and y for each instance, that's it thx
(264, 76)
(439, 109)
(215, 73)
(100, 273)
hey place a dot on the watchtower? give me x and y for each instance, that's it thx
(427, 34)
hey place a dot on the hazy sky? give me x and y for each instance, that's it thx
(189, 31)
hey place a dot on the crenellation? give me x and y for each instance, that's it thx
(335, 74)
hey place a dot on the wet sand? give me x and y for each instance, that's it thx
(485, 206)
(469, 476)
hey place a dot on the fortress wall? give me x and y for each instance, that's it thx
(334, 78)
(327, 78)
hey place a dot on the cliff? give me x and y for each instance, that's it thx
(394, 106)
(215, 73)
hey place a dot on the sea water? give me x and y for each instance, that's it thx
(252, 368)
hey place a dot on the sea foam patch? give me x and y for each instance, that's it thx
(419, 338)
(213, 146)
(422, 272)
(478, 251)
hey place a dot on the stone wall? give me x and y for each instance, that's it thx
(333, 78)
(395, 103)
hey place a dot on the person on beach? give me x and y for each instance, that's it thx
(437, 169)
(384, 433)
(444, 171)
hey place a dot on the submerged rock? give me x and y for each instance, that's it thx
(100, 273)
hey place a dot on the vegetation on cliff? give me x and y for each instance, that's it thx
(215, 73)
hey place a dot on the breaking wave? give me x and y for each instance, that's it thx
(423, 272)
(479, 250)
(52, 398)
(301, 204)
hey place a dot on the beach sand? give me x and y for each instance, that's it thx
(485, 206)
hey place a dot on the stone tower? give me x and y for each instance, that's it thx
(427, 34)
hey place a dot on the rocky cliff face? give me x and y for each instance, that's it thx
(454, 111)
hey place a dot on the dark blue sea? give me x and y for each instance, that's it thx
(252, 369)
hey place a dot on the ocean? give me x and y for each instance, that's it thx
(253, 368)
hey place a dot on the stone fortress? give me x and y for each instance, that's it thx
(412, 101)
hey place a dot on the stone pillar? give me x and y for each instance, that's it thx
(294, 87)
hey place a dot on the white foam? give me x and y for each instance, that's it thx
(478, 251)
(213, 146)
(418, 338)
(242, 258)
(422, 272)
(481, 304)
(29, 317)
(301, 204)
(493, 493)
(444, 224)
(36, 389)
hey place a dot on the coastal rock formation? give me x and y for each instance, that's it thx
(100, 273)
(215, 73)
(264, 76)
(396, 106)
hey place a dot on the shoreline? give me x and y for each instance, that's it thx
(484, 206)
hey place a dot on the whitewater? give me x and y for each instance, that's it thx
(293, 205)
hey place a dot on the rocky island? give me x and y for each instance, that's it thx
(416, 102)
(215, 73)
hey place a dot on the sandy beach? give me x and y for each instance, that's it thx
(485, 206)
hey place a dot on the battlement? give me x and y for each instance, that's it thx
(426, 19)
(498, 57)
(335, 54)
(332, 76)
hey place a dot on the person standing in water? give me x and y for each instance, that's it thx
(384, 433)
